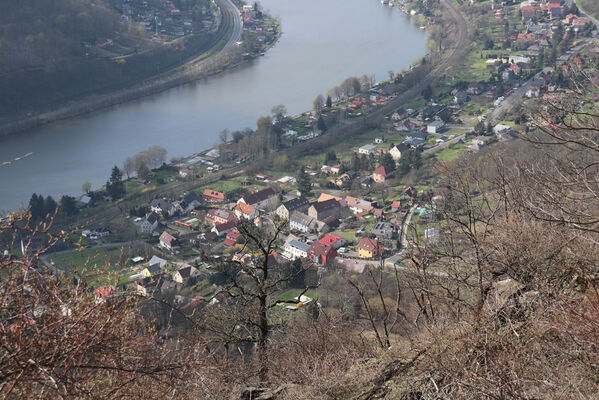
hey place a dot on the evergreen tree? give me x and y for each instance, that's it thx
(330, 157)
(68, 206)
(49, 206)
(303, 182)
(355, 162)
(115, 186)
(36, 206)
(322, 126)
(388, 162)
(329, 102)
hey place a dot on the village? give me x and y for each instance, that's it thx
(353, 206)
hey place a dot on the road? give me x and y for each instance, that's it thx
(443, 145)
(233, 12)
(515, 98)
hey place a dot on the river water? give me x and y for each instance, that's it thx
(323, 42)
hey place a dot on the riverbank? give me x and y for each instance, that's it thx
(225, 55)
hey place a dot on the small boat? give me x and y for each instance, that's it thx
(384, 1)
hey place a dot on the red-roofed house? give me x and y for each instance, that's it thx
(380, 174)
(246, 211)
(103, 292)
(333, 240)
(396, 205)
(321, 253)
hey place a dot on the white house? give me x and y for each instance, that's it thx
(294, 249)
(435, 126)
(367, 149)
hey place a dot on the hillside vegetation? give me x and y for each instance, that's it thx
(53, 51)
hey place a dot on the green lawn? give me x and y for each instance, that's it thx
(98, 265)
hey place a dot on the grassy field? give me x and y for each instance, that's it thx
(590, 6)
(98, 265)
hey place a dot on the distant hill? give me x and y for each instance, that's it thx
(54, 50)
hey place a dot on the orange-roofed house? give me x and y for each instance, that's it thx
(326, 196)
(380, 174)
(245, 211)
(212, 196)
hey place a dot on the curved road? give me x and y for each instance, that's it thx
(237, 22)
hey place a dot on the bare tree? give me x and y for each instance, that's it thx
(253, 285)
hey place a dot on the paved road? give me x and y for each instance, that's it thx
(229, 7)
(515, 98)
(441, 146)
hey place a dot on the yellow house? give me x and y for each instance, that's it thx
(369, 248)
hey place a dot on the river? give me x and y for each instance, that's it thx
(323, 42)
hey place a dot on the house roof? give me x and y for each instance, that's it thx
(191, 197)
(258, 196)
(380, 171)
(298, 245)
(245, 208)
(321, 249)
(224, 214)
(186, 272)
(157, 260)
(359, 203)
(330, 239)
(368, 244)
(225, 227)
(301, 219)
(153, 268)
(214, 194)
(167, 238)
(152, 218)
(396, 204)
(326, 196)
(296, 203)
(229, 242)
(104, 291)
(325, 205)
(162, 204)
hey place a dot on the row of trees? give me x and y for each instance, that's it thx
(143, 162)
(41, 207)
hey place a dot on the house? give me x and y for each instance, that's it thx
(395, 206)
(321, 253)
(435, 127)
(186, 273)
(321, 210)
(219, 216)
(441, 139)
(383, 230)
(84, 201)
(294, 249)
(369, 248)
(366, 182)
(157, 260)
(533, 91)
(102, 293)
(191, 200)
(301, 222)
(149, 285)
(162, 206)
(367, 149)
(380, 174)
(379, 140)
(326, 196)
(264, 199)
(299, 204)
(333, 240)
(345, 177)
(358, 206)
(149, 224)
(221, 229)
(212, 196)
(167, 240)
(151, 270)
(245, 211)
(397, 150)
